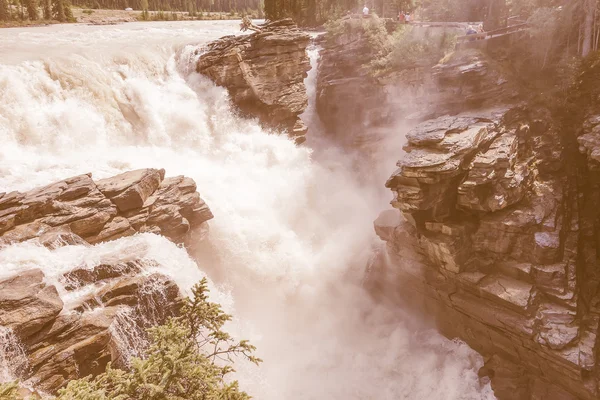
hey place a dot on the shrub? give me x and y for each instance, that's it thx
(9, 391)
(412, 48)
(189, 358)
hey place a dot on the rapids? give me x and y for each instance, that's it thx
(292, 233)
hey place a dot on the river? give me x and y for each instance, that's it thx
(292, 234)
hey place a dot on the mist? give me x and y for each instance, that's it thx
(293, 231)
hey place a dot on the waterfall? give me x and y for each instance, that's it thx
(292, 233)
(13, 360)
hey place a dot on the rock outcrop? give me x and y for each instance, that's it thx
(350, 100)
(357, 97)
(97, 211)
(63, 343)
(264, 73)
(97, 313)
(498, 242)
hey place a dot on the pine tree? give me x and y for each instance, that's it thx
(189, 357)
(47, 9)
(4, 14)
(32, 9)
(271, 9)
(58, 10)
(9, 391)
(68, 12)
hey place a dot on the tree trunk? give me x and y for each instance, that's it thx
(495, 15)
(4, 14)
(589, 7)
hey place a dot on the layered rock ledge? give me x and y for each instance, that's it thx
(497, 242)
(53, 342)
(264, 73)
(97, 211)
(59, 328)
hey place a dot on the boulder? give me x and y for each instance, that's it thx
(109, 305)
(438, 154)
(131, 189)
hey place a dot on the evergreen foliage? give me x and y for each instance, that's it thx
(58, 10)
(189, 358)
(9, 391)
(47, 9)
(32, 9)
(4, 12)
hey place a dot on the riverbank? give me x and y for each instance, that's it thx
(113, 17)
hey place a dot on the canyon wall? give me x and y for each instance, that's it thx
(494, 233)
(356, 98)
(71, 328)
(494, 241)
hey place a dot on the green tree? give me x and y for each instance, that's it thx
(9, 391)
(188, 358)
(68, 13)
(4, 13)
(32, 9)
(58, 10)
(47, 9)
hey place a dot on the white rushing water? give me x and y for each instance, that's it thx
(292, 232)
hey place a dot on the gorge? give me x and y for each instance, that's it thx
(136, 177)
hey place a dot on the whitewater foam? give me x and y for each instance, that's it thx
(292, 232)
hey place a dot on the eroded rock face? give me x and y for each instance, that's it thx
(355, 100)
(28, 303)
(264, 73)
(496, 241)
(349, 99)
(93, 314)
(135, 201)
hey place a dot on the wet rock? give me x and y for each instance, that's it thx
(72, 346)
(495, 181)
(131, 189)
(438, 153)
(386, 223)
(56, 239)
(27, 303)
(61, 343)
(84, 276)
(79, 208)
(350, 101)
(471, 79)
(264, 73)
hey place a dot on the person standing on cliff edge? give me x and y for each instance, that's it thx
(366, 11)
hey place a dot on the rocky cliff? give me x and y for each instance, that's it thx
(72, 325)
(357, 96)
(491, 240)
(264, 73)
(495, 229)
(496, 238)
